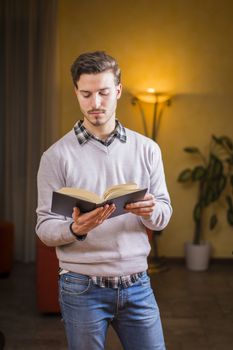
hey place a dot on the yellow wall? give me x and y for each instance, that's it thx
(183, 47)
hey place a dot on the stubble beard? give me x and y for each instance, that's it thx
(98, 120)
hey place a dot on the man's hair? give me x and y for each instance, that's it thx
(93, 63)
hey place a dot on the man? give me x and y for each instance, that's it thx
(103, 261)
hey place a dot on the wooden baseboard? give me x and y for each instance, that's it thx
(181, 260)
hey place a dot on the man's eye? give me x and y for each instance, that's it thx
(86, 95)
(104, 93)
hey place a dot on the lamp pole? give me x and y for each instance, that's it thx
(154, 129)
(158, 109)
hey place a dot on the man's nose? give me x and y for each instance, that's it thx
(96, 101)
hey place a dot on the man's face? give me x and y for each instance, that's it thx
(97, 96)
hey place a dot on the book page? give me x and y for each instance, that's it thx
(81, 193)
(118, 190)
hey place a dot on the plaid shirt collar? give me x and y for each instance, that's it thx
(83, 135)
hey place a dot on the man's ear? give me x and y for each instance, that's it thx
(119, 90)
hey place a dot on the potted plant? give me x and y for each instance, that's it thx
(214, 179)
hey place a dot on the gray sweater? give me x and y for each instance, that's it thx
(119, 246)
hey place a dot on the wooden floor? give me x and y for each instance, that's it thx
(196, 310)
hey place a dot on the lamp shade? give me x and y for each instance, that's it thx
(151, 96)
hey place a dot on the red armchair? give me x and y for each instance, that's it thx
(46, 278)
(6, 248)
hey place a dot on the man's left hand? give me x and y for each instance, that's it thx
(142, 208)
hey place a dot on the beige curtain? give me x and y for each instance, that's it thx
(31, 121)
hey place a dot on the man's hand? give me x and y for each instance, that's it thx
(83, 223)
(143, 208)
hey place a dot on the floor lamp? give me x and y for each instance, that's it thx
(160, 101)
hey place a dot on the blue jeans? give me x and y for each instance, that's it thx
(88, 310)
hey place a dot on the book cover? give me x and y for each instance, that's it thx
(63, 204)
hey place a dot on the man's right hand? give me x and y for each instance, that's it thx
(83, 223)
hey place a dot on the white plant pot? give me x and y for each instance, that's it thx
(197, 256)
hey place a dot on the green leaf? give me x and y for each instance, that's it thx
(229, 202)
(213, 221)
(191, 150)
(231, 180)
(185, 175)
(215, 168)
(221, 184)
(197, 212)
(223, 140)
(198, 173)
(217, 187)
(227, 141)
(208, 196)
(218, 169)
(216, 139)
(230, 217)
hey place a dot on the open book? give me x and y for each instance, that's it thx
(65, 199)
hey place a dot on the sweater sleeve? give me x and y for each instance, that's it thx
(52, 229)
(163, 210)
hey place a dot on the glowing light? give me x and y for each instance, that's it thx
(151, 90)
(151, 96)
